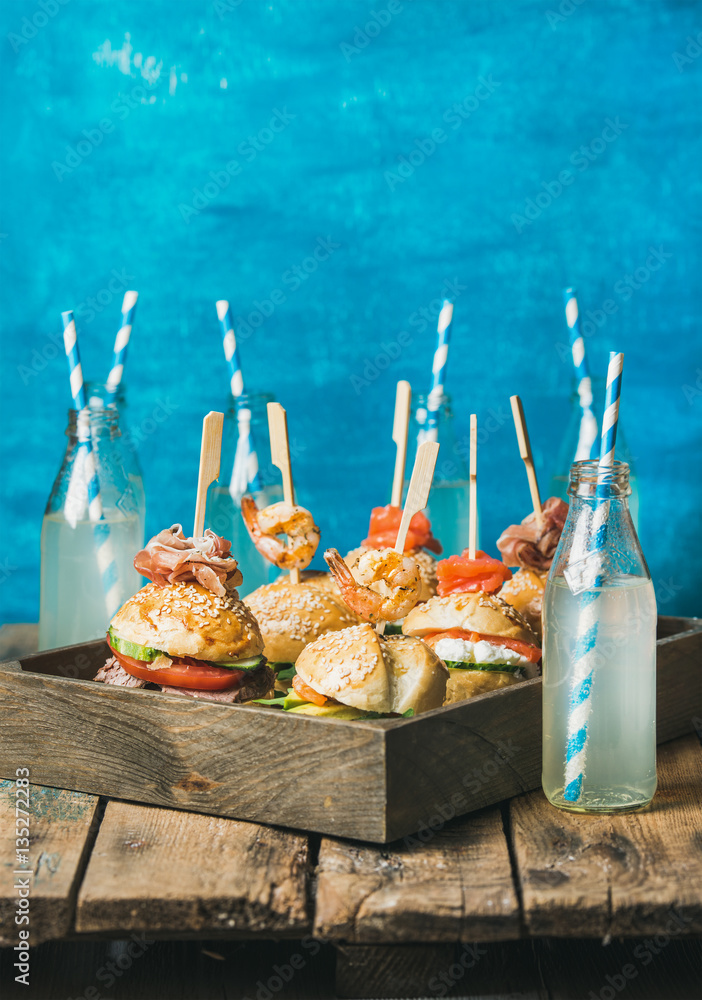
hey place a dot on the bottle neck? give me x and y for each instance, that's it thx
(102, 422)
(588, 483)
(252, 405)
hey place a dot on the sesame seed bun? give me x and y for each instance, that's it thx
(360, 668)
(464, 684)
(186, 619)
(425, 560)
(483, 613)
(320, 580)
(525, 592)
(291, 615)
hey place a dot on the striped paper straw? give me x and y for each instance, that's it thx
(587, 438)
(584, 653)
(114, 379)
(101, 529)
(438, 372)
(245, 475)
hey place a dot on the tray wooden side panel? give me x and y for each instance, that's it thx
(479, 752)
(245, 763)
(373, 781)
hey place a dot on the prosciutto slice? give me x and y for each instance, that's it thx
(526, 546)
(170, 557)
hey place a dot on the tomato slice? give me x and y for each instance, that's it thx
(184, 672)
(525, 649)
(459, 574)
(308, 693)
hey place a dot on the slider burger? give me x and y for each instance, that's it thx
(357, 674)
(532, 549)
(483, 641)
(292, 615)
(187, 632)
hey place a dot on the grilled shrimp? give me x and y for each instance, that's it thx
(384, 586)
(282, 518)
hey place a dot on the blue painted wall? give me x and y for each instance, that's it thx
(171, 91)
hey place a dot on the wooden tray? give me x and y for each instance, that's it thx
(373, 780)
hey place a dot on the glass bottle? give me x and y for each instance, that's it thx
(86, 576)
(569, 445)
(98, 394)
(448, 499)
(223, 513)
(599, 657)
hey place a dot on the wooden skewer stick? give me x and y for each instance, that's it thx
(280, 456)
(417, 495)
(419, 487)
(400, 431)
(210, 451)
(525, 452)
(473, 494)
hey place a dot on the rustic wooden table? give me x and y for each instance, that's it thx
(144, 902)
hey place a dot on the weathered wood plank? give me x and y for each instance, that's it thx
(158, 870)
(61, 829)
(453, 884)
(638, 873)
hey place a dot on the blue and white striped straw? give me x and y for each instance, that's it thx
(245, 474)
(101, 529)
(587, 437)
(438, 372)
(585, 653)
(114, 379)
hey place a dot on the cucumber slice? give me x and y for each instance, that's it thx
(137, 652)
(504, 668)
(248, 663)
